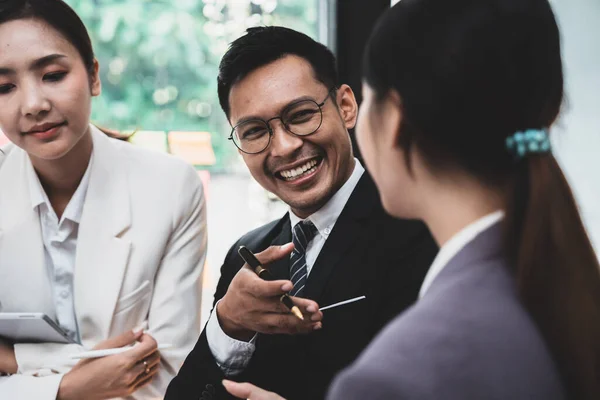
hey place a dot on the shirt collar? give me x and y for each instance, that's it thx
(325, 218)
(38, 195)
(456, 243)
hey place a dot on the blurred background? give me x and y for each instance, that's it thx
(159, 61)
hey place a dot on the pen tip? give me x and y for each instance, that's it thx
(297, 313)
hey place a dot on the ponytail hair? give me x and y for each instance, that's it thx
(470, 74)
(557, 271)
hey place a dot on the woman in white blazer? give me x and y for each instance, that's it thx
(101, 236)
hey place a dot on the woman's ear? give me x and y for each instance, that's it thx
(95, 80)
(391, 116)
(347, 105)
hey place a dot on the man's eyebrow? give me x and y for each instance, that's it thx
(290, 103)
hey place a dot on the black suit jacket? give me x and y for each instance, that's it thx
(367, 253)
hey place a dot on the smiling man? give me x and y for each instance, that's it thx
(290, 119)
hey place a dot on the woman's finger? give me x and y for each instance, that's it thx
(144, 348)
(124, 339)
(249, 391)
(143, 366)
(152, 359)
(144, 377)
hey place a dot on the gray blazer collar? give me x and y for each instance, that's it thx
(488, 245)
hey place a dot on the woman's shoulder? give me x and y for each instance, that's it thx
(12, 159)
(461, 342)
(148, 157)
(156, 177)
(5, 151)
(142, 163)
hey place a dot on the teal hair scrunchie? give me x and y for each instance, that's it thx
(531, 141)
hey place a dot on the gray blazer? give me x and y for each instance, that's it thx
(469, 337)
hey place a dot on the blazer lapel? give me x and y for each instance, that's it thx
(486, 246)
(280, 269)
(346, 231)
(102, 251)
(22, 262)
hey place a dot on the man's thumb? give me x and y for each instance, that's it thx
(274, 253)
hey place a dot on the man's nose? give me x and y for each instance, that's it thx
(284, 143)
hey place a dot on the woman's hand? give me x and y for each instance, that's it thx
(8, 361)
(249, 391)
(114, 376)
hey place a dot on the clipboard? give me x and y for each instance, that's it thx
(31, 328)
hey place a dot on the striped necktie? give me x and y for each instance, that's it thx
(303, 233)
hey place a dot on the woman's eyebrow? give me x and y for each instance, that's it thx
(36, 64)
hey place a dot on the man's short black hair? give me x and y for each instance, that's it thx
(263, 45)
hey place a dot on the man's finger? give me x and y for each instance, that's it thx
(309, 308)
(274, 253)
(260, 288)
(249, 391)
(285, 324)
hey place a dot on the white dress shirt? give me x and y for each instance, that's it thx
(456, 243)
(60, 246)
(232, 355)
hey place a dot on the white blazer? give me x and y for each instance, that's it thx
(140, 252)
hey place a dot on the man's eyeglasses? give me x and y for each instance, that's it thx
(301, 118)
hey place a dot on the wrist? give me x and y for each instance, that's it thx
(230, 327)
(65, 389)
(8, 360)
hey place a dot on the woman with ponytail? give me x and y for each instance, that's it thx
(459, 100)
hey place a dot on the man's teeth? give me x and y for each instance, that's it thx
(302, 170)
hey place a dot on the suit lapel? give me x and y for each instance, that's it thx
(281, 268)
(22, 262)
(488, 245)
(345, 233)
(102, 251)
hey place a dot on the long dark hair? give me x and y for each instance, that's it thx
(471, 73)
(61, 17)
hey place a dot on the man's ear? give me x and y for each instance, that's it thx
(346, 102)
(96, 85)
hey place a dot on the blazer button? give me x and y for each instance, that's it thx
(206, 396)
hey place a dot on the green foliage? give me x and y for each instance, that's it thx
(159, 59)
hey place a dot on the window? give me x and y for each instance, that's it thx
(159, 63)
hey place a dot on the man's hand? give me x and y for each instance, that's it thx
(8, 361)
(252, 304)
(249, 391)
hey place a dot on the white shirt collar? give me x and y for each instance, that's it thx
(38, 195)
(456, 244)
(326, 217)
(36, 191)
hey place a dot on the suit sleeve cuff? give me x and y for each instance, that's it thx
(231, 355)
(28, 387)
(33, 357)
